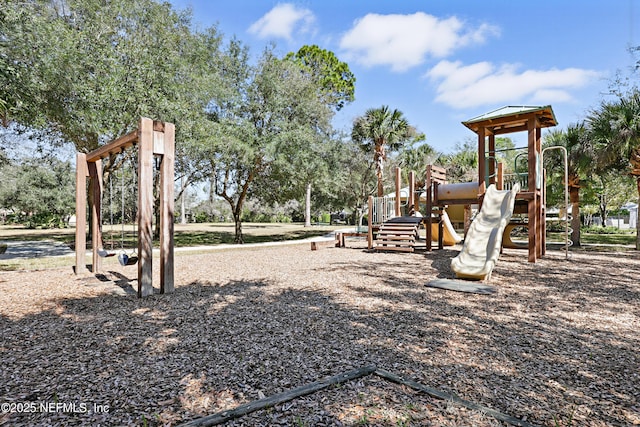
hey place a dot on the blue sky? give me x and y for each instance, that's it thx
(442, 62)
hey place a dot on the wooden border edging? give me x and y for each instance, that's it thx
(247, 408)
(446, 396)
(277, 399)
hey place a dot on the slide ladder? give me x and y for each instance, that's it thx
(482, 244)
(398, 234)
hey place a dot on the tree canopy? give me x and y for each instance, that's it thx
(335, 80)
(88, 70)
(272, 109)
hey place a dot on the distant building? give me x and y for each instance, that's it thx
(622, 222)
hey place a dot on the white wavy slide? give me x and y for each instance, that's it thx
(481, 247)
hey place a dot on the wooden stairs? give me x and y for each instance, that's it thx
(396, 236)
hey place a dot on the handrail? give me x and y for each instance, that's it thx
(566, 192)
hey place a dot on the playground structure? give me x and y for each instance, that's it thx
(395, 230)
(483, 242)
(153, 139)
(529, 200)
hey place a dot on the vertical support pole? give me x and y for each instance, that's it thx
(167, 210)
(370, 223)
(145, 207)
(542, 223)
(441, 228)
(95, 184)
(398, 184)
(467, 219)
(492, 159)
(428, 214)
(500, 180)
(81, 212)
(481, 161)
(532, 209)
(543, 215)
(411, 202)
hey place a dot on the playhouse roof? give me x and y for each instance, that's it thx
(512, 119)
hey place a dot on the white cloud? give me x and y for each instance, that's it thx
(404, 41)
(464, 86)
(282, 21)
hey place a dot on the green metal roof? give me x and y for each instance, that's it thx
(511, 117)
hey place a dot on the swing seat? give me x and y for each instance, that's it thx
(125, 259)
(105, 254)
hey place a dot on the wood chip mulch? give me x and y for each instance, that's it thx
(556, 345)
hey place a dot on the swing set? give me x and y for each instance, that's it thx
(154, 139)
(123, 258)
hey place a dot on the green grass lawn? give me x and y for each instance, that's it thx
(185, 235)
(601, 241)
(211, 234)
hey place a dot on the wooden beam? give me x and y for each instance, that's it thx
(451, 398)
(398, 184)
(431, 188)
(492, 158)
(511, 129)
(370, 223)
(411, 202)
(95, 184)
(512, 120)
(280, 398)
(145, 208)
(315, 245)
(532, 211)
(167, 209)
(481, 161)
(81, 212)
(115, 146)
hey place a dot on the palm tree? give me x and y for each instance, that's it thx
(381, 129)
(462, 164)
(580, 160)
(416, 159)
(615, 132)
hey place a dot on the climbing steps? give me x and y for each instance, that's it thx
(397, 236)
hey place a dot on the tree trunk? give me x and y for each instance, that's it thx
(183, 214)
(603, 210)
(239, 239)
(574, 198)
(307, 207)
(378, 158)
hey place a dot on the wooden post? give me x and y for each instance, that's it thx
(411, 201)
(539, 192)
(166, 208)
(481, 161)
(532, 210)
(398, 184)
(543, 213)
(370, 223)
(492, 159)
(467, 219)
(500, 180)
(81, 212)
(428, 214)
(145, 207)
(152, 138)
(95, 184)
